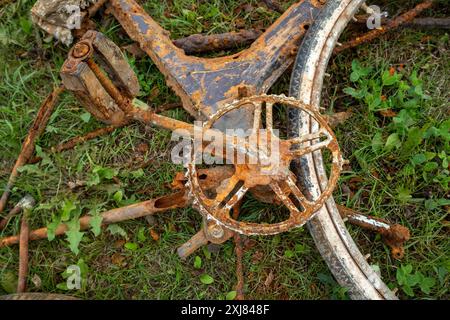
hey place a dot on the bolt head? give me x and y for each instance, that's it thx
(80, 50)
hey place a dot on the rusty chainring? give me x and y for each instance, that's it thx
(260, 168)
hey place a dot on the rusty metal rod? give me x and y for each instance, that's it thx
(23, 252)
(109, 86)
(173, 201)
(367, 222)
(391, 25)
(80, 139)
(200, 43)
(394, 235)
(40, 122)
(197, 241)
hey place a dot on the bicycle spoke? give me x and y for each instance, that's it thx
(307, 137)
(269, 116)
(297, 192)
(284, 198)
(257, 117)
(311, 148)
(236, 196)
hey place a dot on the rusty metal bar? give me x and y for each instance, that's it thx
(198, 43)
(173, 201)
(80, 139)
(23, 253)
(28, 146)
(197, 241)
(394, 235)
(391, 25)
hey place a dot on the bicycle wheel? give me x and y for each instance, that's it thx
(332, 239)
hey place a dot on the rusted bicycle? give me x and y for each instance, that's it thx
(228, 93)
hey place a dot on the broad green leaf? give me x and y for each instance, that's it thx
(197, 262)
(414, 140)
(206, 279)
(231, 295)
(131, 246)
(96, 224)
(403, 194)
(51, 227)
(86, 117)
(430, 166)
(26, 25)
(116, 229)
(68, 207)
(62, 286)
(419, 159)
(137, 173)
(141, 234)
(289, 254)
(408, 290)
(8, 281)
(74, 235)
(206, 252)
(118, 196)
(425, 283)
(393, 141)
(388, 79)
(358, 71)
(377, 142)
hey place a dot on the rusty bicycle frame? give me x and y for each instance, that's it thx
(206, 87)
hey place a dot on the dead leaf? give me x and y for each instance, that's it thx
(119, 244)
(154, 235)
(118, 259)
(142, 147)
(154, 93)
(269, 279)
(391, 71)
(249, 243)
(426, 38)
(172, 228)
(388, 113)
(354, 182)
(246, 8)
(77, 184)
(36, 281)
(239, 23)
(338, 118)
(375, 174)
(179, 181)
(346, 190)
(257, 256)
(151, 220)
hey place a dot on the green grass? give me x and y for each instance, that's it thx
(386, 185)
